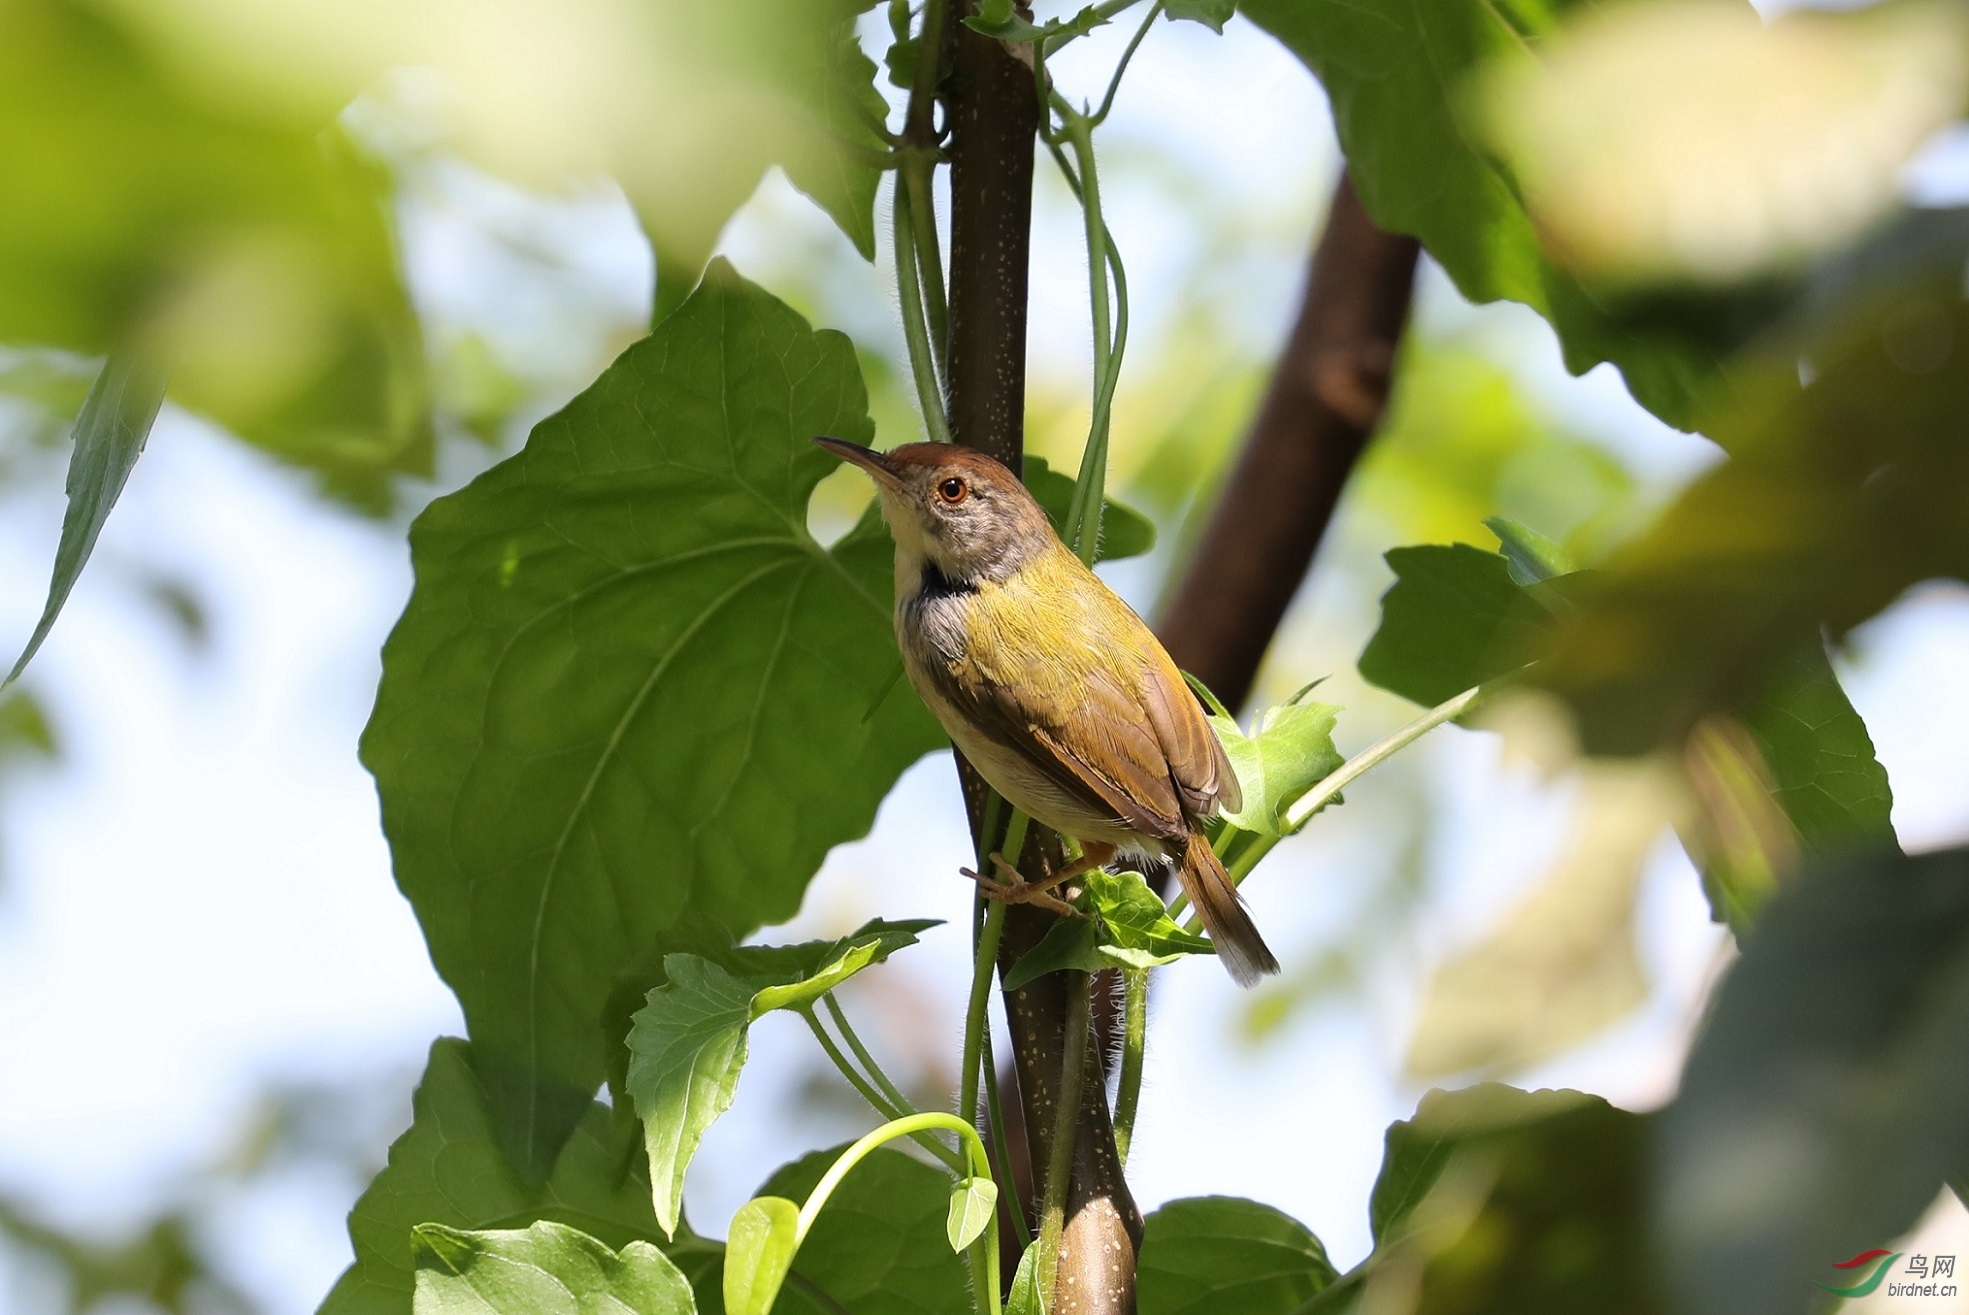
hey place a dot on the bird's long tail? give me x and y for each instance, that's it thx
(1214, 896)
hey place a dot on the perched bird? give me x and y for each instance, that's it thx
(1051, 685)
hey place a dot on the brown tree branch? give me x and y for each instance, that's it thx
(1325, 398)
(993, 113)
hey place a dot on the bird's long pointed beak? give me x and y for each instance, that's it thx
(875, 463)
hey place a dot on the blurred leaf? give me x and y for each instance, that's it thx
(972, 1203)
(1125, 532)
(448, 1169)
(1562, 964)
(24, 727)
(758, 1252)
(547, 1267)
(251, 252)
(879, 1246)
(623, 711)
(1495, 1201)
(109, 436)
(1836, 499)
(1395, 74)
(687, 1044)
(1531, 555)
(1219, 1255)
(999, 19)
(1213, 14)
(1689, 140)
(1291, 753)
(1821, 1110)
(1458, 614)
(1454, 618)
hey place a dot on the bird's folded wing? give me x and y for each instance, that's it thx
(1102, 750)
(1197, 761)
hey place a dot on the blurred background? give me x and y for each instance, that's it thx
(216, 1003)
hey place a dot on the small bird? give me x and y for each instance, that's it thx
(1051, 685)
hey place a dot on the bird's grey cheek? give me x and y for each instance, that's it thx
(939, 625)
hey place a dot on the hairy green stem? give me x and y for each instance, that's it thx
(877, 1100)
(1134, 1037)
(916, 334)
(1001, 1146)
(983, 1253)
(874, 1070)
(1059, 1157)
(1084, 513)
(1114, 83)
(984, 961)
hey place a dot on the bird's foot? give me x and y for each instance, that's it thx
(1012, 888)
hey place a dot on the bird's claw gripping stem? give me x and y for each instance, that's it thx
(1015, 889)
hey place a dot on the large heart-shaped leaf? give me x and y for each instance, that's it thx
(625, 705)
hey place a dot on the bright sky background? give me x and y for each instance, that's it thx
(198, 903)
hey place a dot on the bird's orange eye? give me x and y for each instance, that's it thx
(952, 491)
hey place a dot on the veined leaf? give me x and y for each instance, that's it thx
(1454, 618)
(758, 1253)
(448, 1170)
(687, 1044)
(1291, 752)
(1213, 14)
(972, 1203)
(1127, 926)
(1221, 1255)
(624, 709)
(548, 1267)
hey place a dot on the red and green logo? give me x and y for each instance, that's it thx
(1866, 1285)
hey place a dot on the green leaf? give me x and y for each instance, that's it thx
(1125, 532)
(1532, 556)
(758, 1253)
(1454, 618)
(972, 1203)
(1457, 614)
(1213, 14)
(1394, 71)
(1025, 1297)
(236, 243)
(448, 1169)
(1136, 929)
(1291, 753)
(687, 1044)
(548, 1267)
(1495, 1201)
(1128, 926)
(623, 711)
(1070, 943)
(109, 435)
(1837, 499)
(998, 18)
(839, 166)
(880, 1246)
(25, 731)
(1821, 1110)
(1220, 1255)
(686, 1050)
